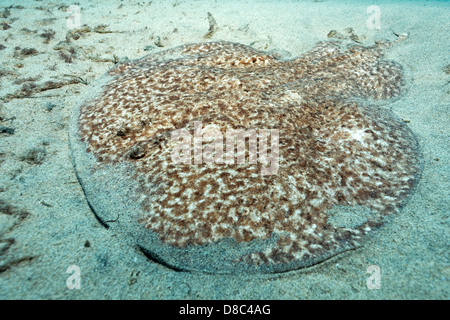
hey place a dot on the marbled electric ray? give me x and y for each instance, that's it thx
(343, 163)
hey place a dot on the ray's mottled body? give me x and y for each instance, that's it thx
(335, 150)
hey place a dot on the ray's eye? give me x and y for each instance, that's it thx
(137, 151)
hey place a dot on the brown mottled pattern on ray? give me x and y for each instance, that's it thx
(333, 149)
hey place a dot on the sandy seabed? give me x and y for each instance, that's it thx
(46, 224)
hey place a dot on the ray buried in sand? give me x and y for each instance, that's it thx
(208, 147)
